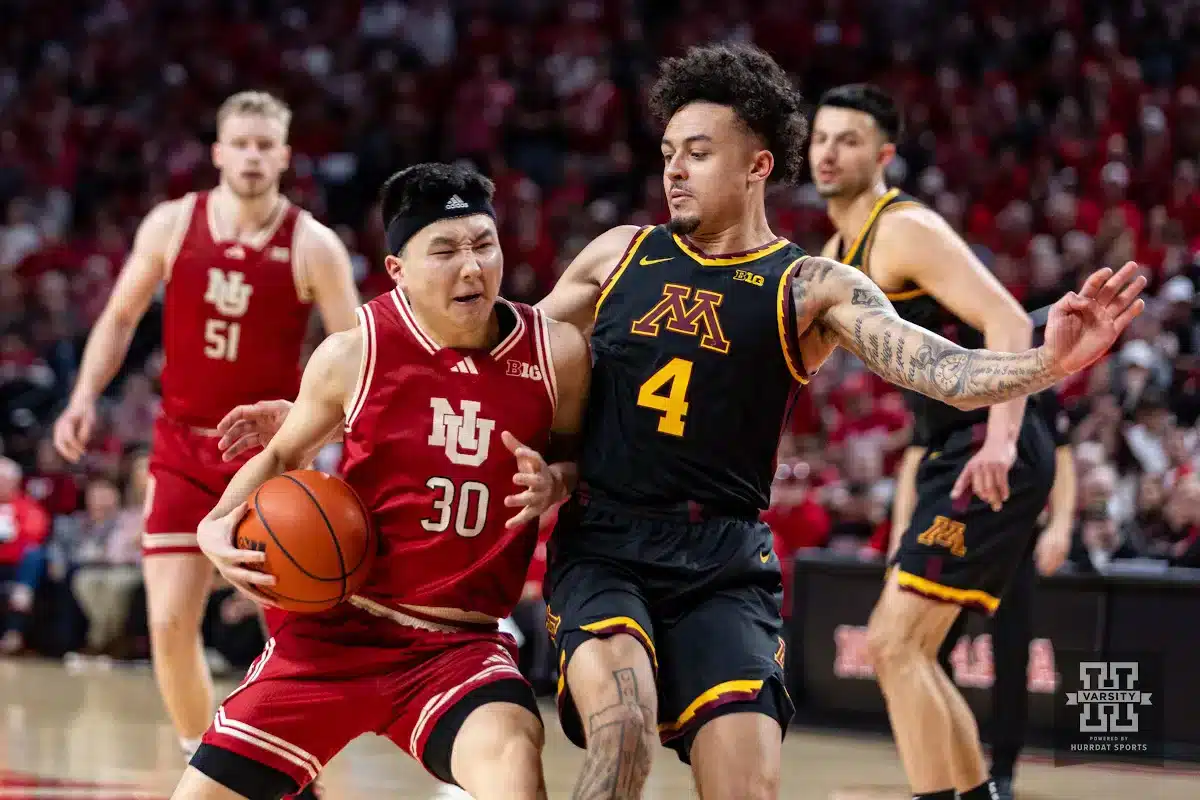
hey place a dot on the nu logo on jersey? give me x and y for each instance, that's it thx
(686, 313)
(466, 437)
(523, 369)
(228, 291)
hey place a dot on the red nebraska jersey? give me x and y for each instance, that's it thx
(234, 316)
(423, 451)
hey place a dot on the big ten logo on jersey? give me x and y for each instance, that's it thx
(466, 439)
(522, 369)
(749, 277)
(688, 313)
(229, 294)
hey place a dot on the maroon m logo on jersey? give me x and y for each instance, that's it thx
(692, 314)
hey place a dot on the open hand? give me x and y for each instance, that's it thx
(215, 537)
(1082, 326)
(535, 475)
(250, 426)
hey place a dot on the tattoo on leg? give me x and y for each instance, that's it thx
(618, 756)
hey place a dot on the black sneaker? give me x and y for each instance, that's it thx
(1004, 787)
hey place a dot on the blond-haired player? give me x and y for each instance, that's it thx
(243, 268)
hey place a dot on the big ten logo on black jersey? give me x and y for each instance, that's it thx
(229, 295)
(466, 438)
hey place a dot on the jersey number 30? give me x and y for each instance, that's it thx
(674, 379)
(469, 512)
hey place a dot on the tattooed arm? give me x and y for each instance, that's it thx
(837, 305)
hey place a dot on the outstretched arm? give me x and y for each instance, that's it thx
(109, 340)
(839, 306)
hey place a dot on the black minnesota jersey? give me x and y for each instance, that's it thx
(932, 418)
(694, 368)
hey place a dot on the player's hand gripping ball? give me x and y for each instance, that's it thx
(316, 535)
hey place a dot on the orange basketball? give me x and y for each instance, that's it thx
(317, 536)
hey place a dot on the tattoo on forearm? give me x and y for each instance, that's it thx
(618, 754)
(907, 355)
(946, 371)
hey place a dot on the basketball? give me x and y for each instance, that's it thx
(317, 536)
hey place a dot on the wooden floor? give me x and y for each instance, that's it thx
(101, 734)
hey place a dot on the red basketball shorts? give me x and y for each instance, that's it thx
(187, 478)
(307, 697)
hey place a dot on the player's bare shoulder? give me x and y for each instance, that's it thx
(337, 364)
(901, 235)
(574, 297)
(317, 242)
(568, 349)
(604, 253)
(571, 360)
(163, 227)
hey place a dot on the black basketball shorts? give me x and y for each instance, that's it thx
(702, 597)
(962, 551)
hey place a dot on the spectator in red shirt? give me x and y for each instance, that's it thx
(24, 526)
(796, 518)
(884, 424)
(52, 485)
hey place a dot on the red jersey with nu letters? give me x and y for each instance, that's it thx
(423, 451)
(234, 320)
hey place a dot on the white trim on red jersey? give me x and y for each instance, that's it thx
(187, 207)
(545, 356)
(366, 369)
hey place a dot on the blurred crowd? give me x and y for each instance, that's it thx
(1056, 136)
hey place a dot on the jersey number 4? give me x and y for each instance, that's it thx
(673, 379)
(469, 512)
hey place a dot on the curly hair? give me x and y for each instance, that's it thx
(750, 82)
(413, 189)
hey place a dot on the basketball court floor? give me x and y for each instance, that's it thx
(101, 734)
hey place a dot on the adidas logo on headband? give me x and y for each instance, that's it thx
(455, 203)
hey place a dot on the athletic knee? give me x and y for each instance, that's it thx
(173, 625)
(176, 593)
(889, 645)
(499, 755)
(516, 740)
(612, 683)
(745, 782)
